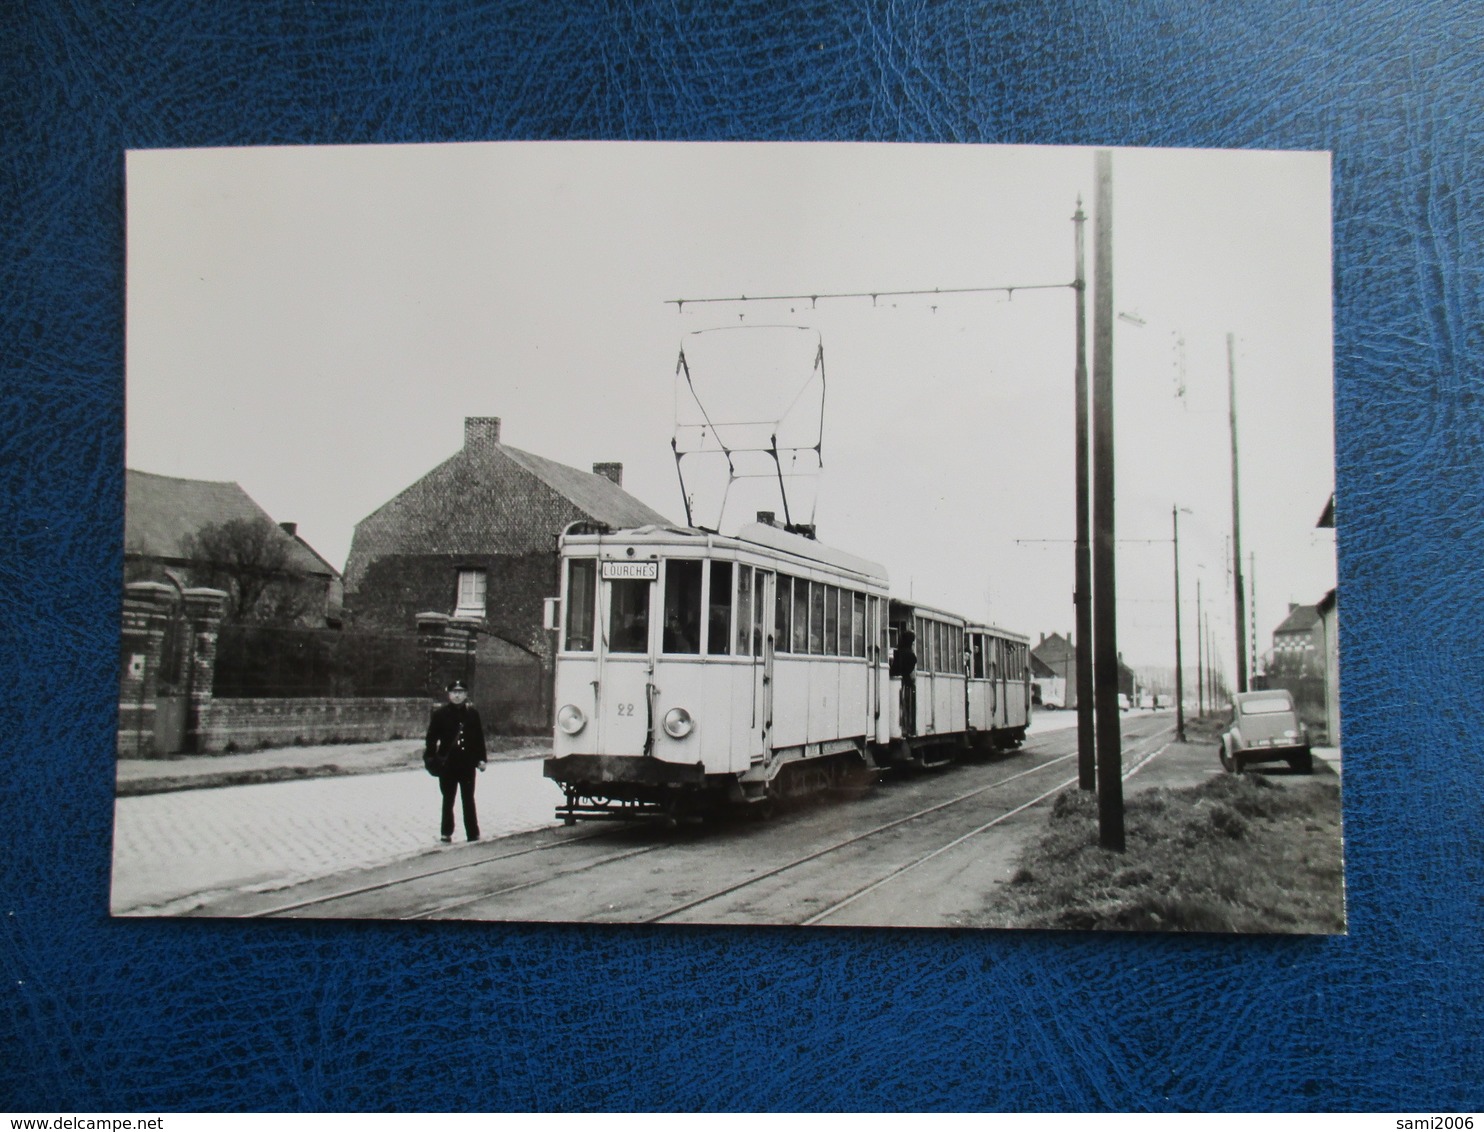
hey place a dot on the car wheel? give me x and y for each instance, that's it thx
(1226, 759)
(1303, 762)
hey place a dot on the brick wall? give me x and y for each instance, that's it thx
(249, 725)
(399, 586)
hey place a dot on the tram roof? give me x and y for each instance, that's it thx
(775, 538)
(970, 625)
(771, 538)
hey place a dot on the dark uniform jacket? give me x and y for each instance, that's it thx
(904, 660)
(456, 738)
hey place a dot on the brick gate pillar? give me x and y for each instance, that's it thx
(146, 616)
(203, 611)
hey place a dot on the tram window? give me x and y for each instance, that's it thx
(744, 608)
(816, 618)
(782, 615)
(719, 607)
(628, 615)
(801, 616)
(832, 621)
(682, 606)
(977, 642)
(858, 625)
(582, 585)
(759, 589)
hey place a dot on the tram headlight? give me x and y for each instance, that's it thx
(678, 723)
(570, 719)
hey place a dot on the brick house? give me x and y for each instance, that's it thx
(162, 513)
(1055, 659)
(475, 539)
(1054, 666)
(1298, 644)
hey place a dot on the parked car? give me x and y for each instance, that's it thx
(1123, 704)
(1264, 727)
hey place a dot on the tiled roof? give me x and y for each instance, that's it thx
(489, 500)
(1300, 620)
(160, 511)
(596, 495)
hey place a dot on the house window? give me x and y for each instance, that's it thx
(471, 593)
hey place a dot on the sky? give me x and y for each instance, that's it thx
(315, 323)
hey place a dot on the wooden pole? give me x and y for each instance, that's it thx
(1238, 588)
(1105, 607)
(1082, 597)
(1179, 676)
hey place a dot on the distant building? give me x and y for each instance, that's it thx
(1306, 656)
(165, 515)
(1054, 667)
(1329, 628)
(1055, 658)
(476, 538)
(1297, 644)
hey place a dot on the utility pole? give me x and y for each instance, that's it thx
(1252, 607)
(1241, 597)
(1200, 651)
(1105, 607)
(1179, 678)
(1082, 597)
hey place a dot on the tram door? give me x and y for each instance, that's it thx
(760, 743)
(624, 708)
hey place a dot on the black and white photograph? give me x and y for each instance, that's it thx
(809, 534)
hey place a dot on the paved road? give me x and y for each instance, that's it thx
(172, 851)
(177, 851)
(793, 869)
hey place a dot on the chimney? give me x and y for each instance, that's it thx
(1292, 605)
(290, 529)
(613, 472)
(481, 434)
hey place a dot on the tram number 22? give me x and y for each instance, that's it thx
(625, 710)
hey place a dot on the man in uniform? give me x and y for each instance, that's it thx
(454, 751)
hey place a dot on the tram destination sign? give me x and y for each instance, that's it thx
(644, 571)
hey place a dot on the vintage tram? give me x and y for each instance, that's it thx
(696, 671)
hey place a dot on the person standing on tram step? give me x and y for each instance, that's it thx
(454, 752)
(904, 665)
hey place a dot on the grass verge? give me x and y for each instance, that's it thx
(1238, 853)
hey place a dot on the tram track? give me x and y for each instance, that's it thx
(340, 896)
(351, 898)
(856, 894)
(395, 882)
(837, 846)
(846, 901)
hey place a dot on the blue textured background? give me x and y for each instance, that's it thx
(169, 1015)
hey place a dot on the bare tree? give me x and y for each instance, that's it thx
(251, 560)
